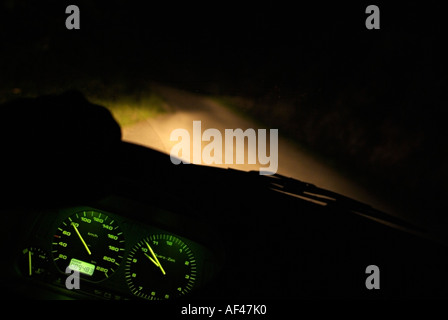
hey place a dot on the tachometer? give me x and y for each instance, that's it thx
(89, 242)
(160, 266)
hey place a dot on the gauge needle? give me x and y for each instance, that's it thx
(82, 240)
(155, 260)
(29, 263)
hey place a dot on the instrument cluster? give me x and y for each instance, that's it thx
(86, 251)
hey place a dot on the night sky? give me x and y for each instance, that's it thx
(219, 41)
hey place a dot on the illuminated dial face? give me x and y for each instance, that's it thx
(89, 242)
(34, 262)
(159, 267)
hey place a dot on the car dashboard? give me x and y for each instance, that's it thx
(113, 249)
(127, 224)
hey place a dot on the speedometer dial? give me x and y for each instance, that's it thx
(160, 266)
(89, 242)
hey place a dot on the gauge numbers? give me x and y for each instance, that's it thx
(160, 267)
(89, 242)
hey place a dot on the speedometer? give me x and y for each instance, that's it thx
(89, 242)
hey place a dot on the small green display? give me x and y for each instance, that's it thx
(81, 266)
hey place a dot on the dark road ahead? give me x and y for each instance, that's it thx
(293, 161)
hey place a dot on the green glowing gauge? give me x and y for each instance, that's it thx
(89, 242)
(160, 266)
(34, 262)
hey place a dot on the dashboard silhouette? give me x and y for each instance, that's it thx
(131, 225)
